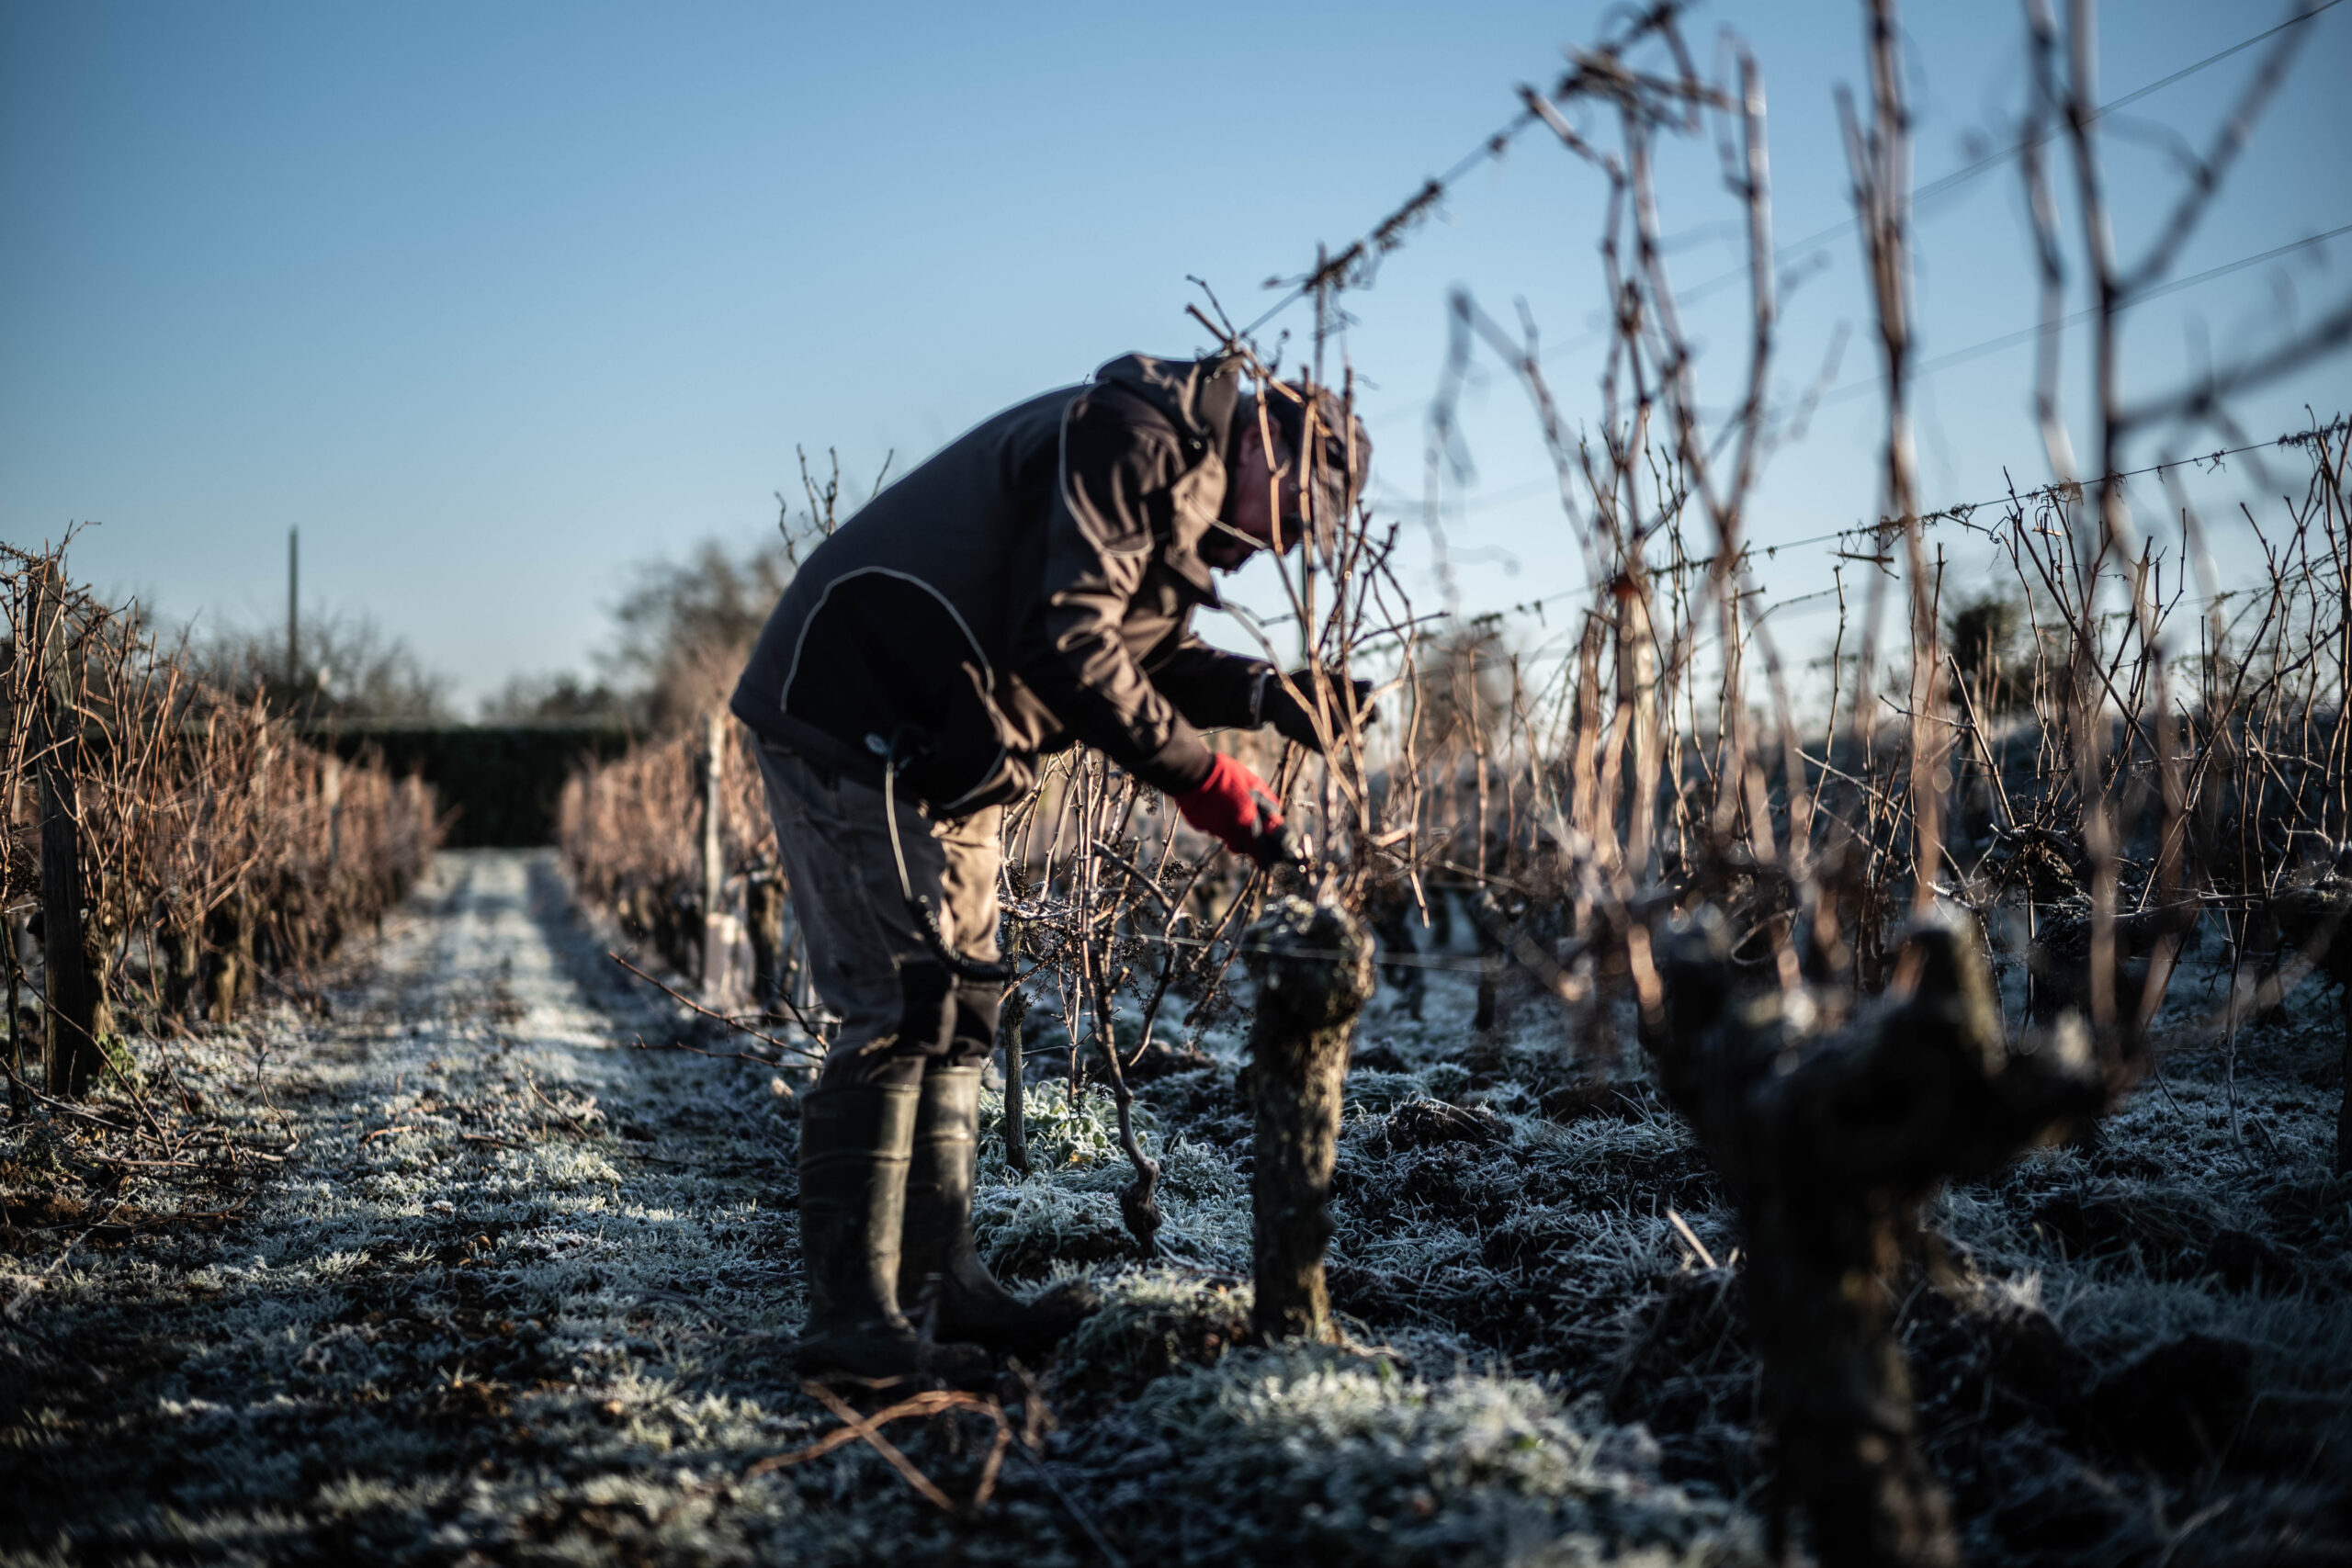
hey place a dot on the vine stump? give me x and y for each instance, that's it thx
(1314, 963)
(1829, 1138)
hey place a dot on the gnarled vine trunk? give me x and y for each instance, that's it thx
(1314, 965)
(1829, 1138)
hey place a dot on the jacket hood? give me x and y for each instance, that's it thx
(1199, 397)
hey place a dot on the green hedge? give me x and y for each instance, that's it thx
(501, 781)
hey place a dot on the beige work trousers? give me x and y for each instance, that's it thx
(900, 1010)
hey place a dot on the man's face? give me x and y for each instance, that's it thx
(1252, 528)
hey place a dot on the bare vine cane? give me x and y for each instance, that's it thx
(17, 1105)
(1138, 1200)
(1016, 1013)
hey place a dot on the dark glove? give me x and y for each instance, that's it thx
(1294, 719)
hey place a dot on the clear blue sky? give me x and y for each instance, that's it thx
(496, 300)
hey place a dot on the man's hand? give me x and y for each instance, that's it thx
(1293, 718)
(1236, 807)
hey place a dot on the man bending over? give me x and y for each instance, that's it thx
(1028, 589)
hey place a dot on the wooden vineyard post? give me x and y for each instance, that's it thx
(714, 866)
(764, 900)
(230, 936)
(1016, 1013)
(16, 1103)
(331, 794)
(720, 927)
(182, 945)
(1314, 965)
(70, 998)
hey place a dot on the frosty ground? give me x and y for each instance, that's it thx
(466, 1275)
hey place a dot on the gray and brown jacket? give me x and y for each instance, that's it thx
(1028, 588)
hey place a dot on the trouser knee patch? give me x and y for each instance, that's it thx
(927, 1014)
(978, 1007)
(925, 1029)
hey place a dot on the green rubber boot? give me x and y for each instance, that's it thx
(938, 1268)
(854, 1143)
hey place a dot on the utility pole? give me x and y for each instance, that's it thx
(293, 609)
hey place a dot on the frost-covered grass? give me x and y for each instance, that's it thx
(1324, 1456)
(1155, 1321)
(1066, 1209)
(521, 1292)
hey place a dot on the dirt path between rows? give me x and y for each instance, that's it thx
(505, 1236)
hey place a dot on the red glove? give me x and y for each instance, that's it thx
(1233, 805)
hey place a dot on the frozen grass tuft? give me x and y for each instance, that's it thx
(1023, 1229)
(1062, 1137)
(1154, 1323)
(1065, 1211)
(1332, 1457)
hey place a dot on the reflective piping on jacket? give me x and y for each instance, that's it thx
(948, 807)
(792, 671)
(988, 670)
